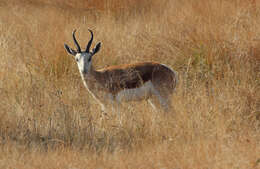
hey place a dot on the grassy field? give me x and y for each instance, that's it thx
(48, 120)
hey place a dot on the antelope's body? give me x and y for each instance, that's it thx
(150, 81)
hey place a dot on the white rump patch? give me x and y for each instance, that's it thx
(175, 72)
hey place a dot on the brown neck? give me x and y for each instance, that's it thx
(94, 73)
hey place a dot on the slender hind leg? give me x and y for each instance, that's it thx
(153, 106)
(167, 105)
(155, 112)
(162, 102)
(161, 98)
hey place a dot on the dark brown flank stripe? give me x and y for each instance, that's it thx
(133, 76)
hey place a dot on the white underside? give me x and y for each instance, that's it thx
(144, 92)
(141, 93)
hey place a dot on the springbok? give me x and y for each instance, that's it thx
(150, 81)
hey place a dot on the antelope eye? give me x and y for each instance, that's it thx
(77, 59)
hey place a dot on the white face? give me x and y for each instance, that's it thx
(84, 62)
(83, 59)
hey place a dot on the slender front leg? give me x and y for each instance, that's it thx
(103, 109)
(117, 104)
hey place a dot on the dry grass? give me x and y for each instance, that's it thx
(48, 120)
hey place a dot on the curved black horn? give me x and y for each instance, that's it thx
(90, 41)
(75, 41)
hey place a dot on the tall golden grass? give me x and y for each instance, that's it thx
(48, 120)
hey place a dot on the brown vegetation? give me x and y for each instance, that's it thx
(48, 120)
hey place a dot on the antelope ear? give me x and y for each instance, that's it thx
(96, 48)
(69, 50)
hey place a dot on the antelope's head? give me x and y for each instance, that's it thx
(83, 58)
